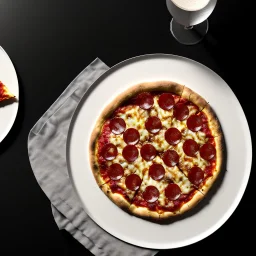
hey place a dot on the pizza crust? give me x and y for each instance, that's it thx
(118, 199)
(96, 172)
(5, 94)
(160, 86)
(197, 197)
(144, 213)
(220, 148)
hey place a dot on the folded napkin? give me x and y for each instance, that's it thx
(47, 155)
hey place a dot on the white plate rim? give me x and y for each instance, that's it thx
(242, 188)
(14, 105)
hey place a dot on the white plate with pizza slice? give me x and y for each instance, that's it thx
(226, 193)
(8, 107)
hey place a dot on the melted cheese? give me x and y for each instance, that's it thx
(136, 117)
(173, 174)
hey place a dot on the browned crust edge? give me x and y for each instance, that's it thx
(116, 198)
(145, 213)
(6, 95)
(198, 196)
(186, 93)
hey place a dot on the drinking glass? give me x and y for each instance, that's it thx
(189, 24)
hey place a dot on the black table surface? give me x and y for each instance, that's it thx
(50, 42)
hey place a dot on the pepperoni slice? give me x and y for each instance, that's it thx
(190, 147)
(153, 124)
(196, 175)
(172, 136)
(170, 158)
(131, 136)
(115, 172)
(145, 100)
(133, 182)
(207, 151)
(194, 123)
(181, 111)
(172, 191)
(117, 125)
(151, 194)
(148, 152)
(156, 171)
(130, 153)
(166, 101)
(109, 151)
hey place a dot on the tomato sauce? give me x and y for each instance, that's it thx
(138, 199)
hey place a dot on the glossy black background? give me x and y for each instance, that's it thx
(50, 42)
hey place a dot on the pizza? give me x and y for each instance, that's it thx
(5, 93)
(157, 149)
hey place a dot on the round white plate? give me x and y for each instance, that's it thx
(223, 198)
(9, 78)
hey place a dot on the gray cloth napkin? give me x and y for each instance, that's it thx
(47, 155)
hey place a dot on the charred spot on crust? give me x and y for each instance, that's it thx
(93, 145)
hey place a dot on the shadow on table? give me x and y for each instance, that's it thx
(227, 50)
(15, 130)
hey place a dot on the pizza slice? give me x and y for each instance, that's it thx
(121, 172)
(5, 94)
(164, 191)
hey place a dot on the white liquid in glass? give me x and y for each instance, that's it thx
(190, 12)
(191, 5)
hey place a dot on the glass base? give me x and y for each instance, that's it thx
(189, 35)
